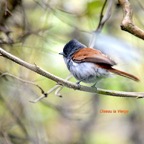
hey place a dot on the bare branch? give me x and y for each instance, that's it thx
(56, 88)
(24, 81)
(42, 97)
(102, 20)
(101, 16)
(127, 23)
(57, 92)
(66, 83)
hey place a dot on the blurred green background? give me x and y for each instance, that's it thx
(36, 31)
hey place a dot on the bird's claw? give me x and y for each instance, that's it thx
(78, 84)
(94, 86)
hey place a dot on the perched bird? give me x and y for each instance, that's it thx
(88, 64)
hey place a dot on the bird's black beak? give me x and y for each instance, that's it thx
(61, 53)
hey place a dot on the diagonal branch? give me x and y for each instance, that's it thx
(102, 20)
(127, 23)
(24, 81)
(106, 16)
(66, 83)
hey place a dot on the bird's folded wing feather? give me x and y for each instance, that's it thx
(92, 55)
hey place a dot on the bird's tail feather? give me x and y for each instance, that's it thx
(121, 73)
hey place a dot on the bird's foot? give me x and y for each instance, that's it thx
(94, 86)
(78, 84)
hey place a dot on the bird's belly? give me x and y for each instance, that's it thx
(87, 72)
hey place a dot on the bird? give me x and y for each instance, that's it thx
(90, 65)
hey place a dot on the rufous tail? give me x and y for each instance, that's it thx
(121, 73)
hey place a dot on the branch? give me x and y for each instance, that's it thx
(24, 81)
(56, 88)
(102, 20)
(43, 96)
(127, 23)
(66, 83)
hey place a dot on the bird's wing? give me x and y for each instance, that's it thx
(92, 55)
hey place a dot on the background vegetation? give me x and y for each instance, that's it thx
(36, 32)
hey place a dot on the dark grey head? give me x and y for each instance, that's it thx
(71, 47)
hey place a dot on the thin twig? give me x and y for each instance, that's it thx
(101, 16)
(102, 20)
(56, 88)
(24, 81)
(57, 92)
(127, 23)
(66, 83)
(106, 16)
(42, 97)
